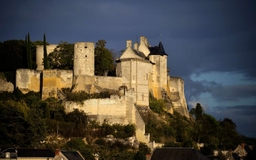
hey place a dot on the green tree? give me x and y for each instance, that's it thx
(197, 112)
(46, 65)
(28, 51)
(62, 57)
(20, 125)
(228, 136)
(104, 61)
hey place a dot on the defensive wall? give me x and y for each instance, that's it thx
(96, 84)
(54, 80)
(28, 80)
(177, 95)
(114, 110)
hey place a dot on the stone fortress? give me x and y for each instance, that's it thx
(141, 70)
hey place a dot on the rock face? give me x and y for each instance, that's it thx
(5, 86)
(141, 70)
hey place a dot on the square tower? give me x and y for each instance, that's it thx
(84, 58)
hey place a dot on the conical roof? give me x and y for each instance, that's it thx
(157, 50)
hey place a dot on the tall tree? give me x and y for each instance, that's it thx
(104, 61)
(197, 112)
(28, 51)
(46, 65)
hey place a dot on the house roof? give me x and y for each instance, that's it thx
(72, 155)
(157, 50)
(35, 153)
(173, 153)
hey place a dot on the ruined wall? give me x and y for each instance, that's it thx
(115, 110)
(54, 80)
(84, 58)
(4, 85)
(40, 54)
(177, 95)
(94, 84)
(28, 80)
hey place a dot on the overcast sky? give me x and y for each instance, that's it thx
(211, 44)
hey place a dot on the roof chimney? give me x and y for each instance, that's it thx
(128, 43)
(135, 46)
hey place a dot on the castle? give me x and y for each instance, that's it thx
(141, 70)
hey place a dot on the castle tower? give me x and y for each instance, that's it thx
(159, 77)
(40, 55)
(84, 58)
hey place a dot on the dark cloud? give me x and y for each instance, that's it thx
(233, 93)
(199, 36)
(242, 115)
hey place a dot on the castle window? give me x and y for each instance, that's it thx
(85, 56)
(85, 46)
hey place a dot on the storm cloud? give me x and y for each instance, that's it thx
(210, 44)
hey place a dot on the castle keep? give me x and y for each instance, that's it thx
(141, 70)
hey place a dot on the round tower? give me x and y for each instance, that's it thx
(84, 58)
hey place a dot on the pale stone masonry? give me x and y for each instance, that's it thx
(141, 70)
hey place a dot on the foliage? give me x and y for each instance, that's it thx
(21, 125)
(28, 51)
(81, 96)
(104, 61)
(157, 106)
(197, 112)
(45, 59)
(117, 130)
(62, 57)
(78, 144)
(12, 55)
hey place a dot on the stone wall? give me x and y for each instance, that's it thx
(114, 110)
(135, 75)
(54, 80)
(96, 84)
(28, 80)
(177, 95)
(5, 86)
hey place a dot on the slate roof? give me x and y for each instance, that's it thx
(173, 153)
(157, 50)
(35, 153)
(72, 155)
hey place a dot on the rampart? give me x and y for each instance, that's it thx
(54, 80)
(90, 83)
(28, 80)
(114, 110)
(176, 88)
